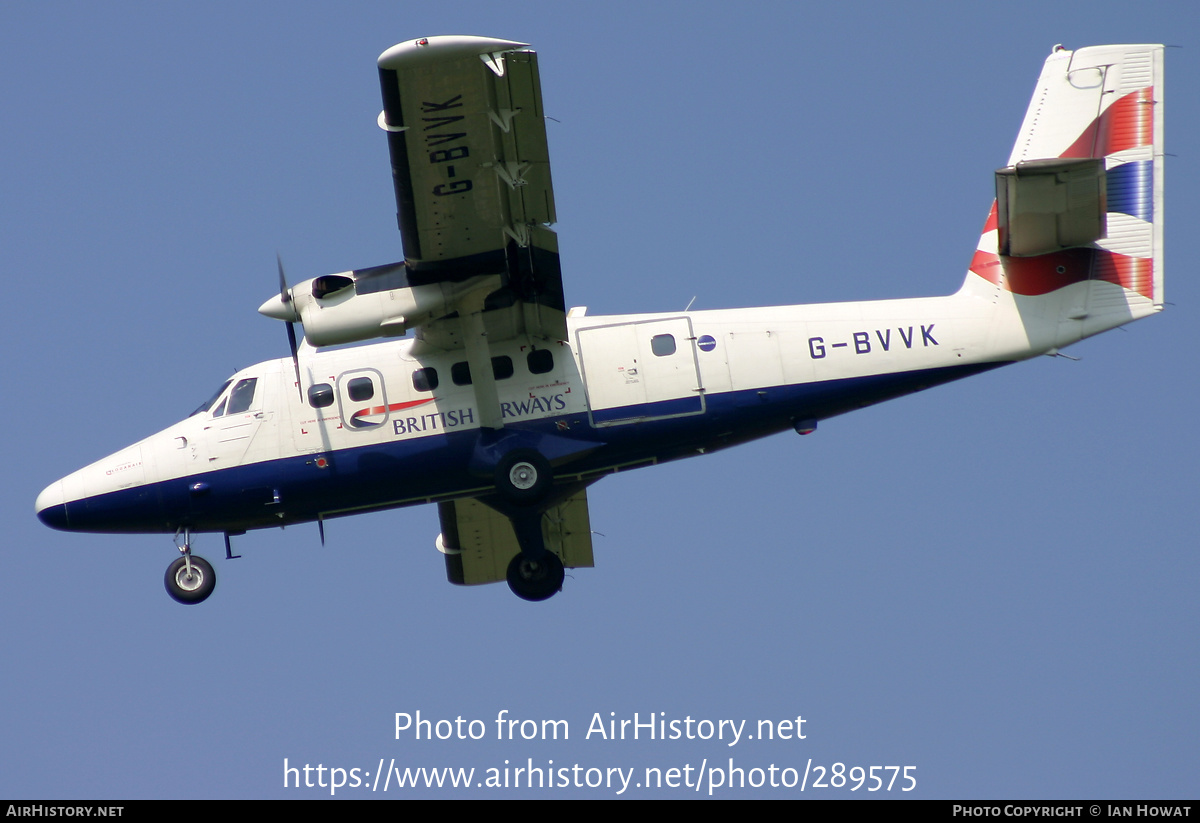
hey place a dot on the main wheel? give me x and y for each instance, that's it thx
(523, 476)
(536, 580)
(194, 587)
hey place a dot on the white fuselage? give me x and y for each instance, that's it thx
(638, 388)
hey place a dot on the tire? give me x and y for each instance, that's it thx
(194, 590)
(536, 580)
(523, 477)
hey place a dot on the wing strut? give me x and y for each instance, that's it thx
(479, 358)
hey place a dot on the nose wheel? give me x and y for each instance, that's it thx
(190, 579)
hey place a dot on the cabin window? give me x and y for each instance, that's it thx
(460, 373)
(502, 367)
(242, 396)
(425, 379)
(662, 344)
(360, 389)
(320, 395)
(362, 399)
(540, 361)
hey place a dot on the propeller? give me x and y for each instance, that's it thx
(285, 297)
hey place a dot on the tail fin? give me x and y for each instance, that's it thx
(1079, 211)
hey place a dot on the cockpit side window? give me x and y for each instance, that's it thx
(207, 404)
(242, 396)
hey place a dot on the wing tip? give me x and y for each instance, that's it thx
(442, 47)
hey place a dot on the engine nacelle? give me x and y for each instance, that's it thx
(361, 305)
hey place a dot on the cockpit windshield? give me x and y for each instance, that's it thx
(207, 404)
(242, 396)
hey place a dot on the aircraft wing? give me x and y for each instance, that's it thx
(471, 168)
(478, 542)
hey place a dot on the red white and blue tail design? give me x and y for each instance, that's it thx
(1079, 210)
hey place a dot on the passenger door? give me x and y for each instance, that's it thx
(641, 371)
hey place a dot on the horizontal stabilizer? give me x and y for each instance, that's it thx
(1049, 205)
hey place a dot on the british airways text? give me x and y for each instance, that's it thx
(435, 421)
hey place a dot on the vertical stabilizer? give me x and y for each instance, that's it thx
(1078, 221)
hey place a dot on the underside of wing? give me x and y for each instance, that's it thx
(479, 542)
(467, 140)
(471, 169)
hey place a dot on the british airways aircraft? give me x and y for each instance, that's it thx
(485, 395)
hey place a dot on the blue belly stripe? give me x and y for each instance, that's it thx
(413, 471)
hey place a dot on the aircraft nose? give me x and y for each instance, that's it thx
(51, 506)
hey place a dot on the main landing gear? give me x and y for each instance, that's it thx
(189, 579)
(524, 482)
(536, 580)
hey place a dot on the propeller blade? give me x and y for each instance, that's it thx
(291, 328)
(285, 296)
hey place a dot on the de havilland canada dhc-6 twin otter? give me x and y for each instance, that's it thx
(503, 407)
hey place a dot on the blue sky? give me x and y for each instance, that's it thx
(993, 582)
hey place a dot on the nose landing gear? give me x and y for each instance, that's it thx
(189, 579)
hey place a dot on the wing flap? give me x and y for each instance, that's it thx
(526, 172)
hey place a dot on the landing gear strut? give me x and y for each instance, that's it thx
(189, 579)
(524, 491)
(536, 580)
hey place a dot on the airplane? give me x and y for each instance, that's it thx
(481, 392)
